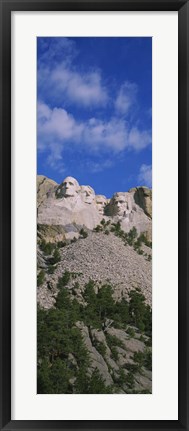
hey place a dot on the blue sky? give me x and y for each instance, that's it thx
(95, 111)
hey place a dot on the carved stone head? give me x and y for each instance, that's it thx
(68, 188)
(87, 194)
(101, 202)
(119, 204)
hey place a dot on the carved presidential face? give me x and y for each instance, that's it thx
(69, 187)
(100, 203)
(120, 204)
(87, 194)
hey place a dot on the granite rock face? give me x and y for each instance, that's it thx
(82, 227)
(143, 197)
(44, 186)
(70, 203)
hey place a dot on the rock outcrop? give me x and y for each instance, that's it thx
(44, 186)
(69, 203)
(143, 197)
(85, 238)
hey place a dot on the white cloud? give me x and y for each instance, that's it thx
(83, 88)
(126, 97)
(70, 86)
(57, 128)
(58, 78)
(139, 140)
(145, 175)
(53, 48)
(55, 156)
(112, 134)
(43, 112)
(62, 83)
(57, 124)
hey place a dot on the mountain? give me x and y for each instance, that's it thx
(71, 204)
(94, 289)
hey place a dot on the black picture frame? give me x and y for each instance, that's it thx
(6, 7)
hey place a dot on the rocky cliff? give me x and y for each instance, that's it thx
(94, 289)
(69, 203)
(44, 185)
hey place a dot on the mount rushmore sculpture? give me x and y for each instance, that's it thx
(71, 204)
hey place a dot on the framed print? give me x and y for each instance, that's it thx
(94, 116)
